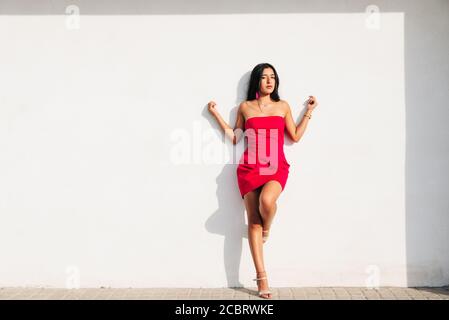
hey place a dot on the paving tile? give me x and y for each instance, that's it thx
(283, 293)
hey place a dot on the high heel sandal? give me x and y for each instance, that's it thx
(265, 238)
(261, 293)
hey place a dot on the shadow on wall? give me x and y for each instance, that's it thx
(427, 133)
(229, 219)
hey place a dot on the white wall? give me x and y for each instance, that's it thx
(113, 173)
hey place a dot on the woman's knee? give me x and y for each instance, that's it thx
(266, 203)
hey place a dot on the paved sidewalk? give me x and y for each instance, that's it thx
(328, 293)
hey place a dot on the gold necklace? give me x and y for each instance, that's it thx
(260, 106)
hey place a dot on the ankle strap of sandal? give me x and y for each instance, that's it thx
(256, 279)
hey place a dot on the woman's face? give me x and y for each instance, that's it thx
(267, 81)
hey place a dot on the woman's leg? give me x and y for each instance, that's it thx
(267, 203)
(251, 200)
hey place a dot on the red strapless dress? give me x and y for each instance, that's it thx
(263, 159)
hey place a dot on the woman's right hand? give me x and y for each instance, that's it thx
(211, 107)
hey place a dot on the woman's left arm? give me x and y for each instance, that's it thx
(296, 131)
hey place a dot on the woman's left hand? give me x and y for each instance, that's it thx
(312, 103)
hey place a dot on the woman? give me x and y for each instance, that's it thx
(263, 169)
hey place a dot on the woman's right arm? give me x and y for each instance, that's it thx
(233, 134)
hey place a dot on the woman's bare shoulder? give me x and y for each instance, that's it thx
(283, 102)
(245, 108)
(248, 103)
(245, 105)
(285, 106)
